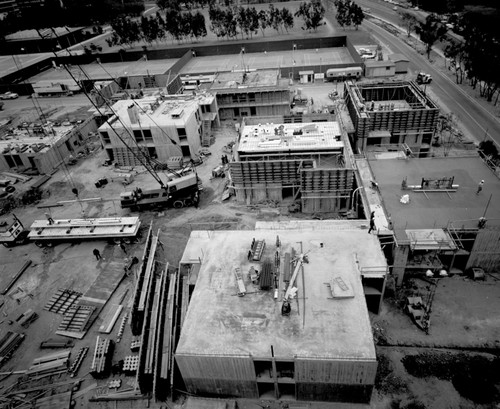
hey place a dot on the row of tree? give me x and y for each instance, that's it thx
(225, 22)
(475, 57)
(127, 30)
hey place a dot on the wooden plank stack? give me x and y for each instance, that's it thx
(50, 364)
(103, 354)
(8, 344)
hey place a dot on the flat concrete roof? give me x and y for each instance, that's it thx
(218, 322)
(435, 210)
(241, 79)
(274, 59)
(29, 142)
(315, 136)
(13, 63)
(108, 71)
(154, 111)
(44, 33)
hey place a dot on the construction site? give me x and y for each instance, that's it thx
(263, 240)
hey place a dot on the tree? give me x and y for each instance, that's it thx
(173, 21)
(151, 30)
(312, 13)
(455, 52)
(287, 18)
(173, 5)
(343, 16)
(198, 27)
(274, 17)
(357, 15)
(125, 31)
(430, 32)
(409, 22)
(263, 21)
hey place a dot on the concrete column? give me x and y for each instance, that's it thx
(400, 260)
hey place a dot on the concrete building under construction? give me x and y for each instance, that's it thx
(311, 161)
(160, 127)
(391, 116)
(251, 93)
(236, 341)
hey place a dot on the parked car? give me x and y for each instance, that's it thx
(9, 95)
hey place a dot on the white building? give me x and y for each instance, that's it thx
(160, 127)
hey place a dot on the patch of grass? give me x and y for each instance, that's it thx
(385, 380)
(473, 376)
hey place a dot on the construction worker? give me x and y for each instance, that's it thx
(97, 254)
(49, 218)
(372, 225)
(480, 187)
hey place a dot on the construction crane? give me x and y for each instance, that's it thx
(179, 192)
(291, 290)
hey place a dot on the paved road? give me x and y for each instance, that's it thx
(476, 120)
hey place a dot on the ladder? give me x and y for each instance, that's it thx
(258, 249)
(205, 138)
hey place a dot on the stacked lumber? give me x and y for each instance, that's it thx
(56, 343)
(49, 364)
(27, 318)
(8, 344)
(110, 320)
(137, 316)
(103, 353)
(15, 277)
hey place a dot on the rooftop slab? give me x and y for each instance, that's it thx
(241, 79)
(154, 112)
(218, 322)
(274, 59)
(435, 209)
(292, 137)
(107, 71)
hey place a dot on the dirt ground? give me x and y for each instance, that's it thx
(464, 317)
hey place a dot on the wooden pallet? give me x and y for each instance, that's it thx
(62, 301)
(76, 318)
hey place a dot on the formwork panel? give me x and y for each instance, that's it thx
(212, 387)
(341, 372)
(334, 392)
(216, 367)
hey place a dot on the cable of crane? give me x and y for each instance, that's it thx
(141, 160)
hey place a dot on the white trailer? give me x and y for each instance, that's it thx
(49, 232)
